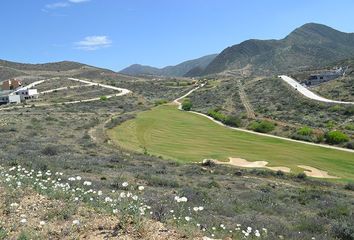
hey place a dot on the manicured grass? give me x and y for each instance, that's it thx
(187, 137)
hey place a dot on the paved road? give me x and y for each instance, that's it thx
(123, 91)
(307, 93)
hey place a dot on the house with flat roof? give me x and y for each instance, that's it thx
(6, 98)
(26, 94)
(322, 77)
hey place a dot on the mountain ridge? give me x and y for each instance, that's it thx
(310, 45)
(178, 70)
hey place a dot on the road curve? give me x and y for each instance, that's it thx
(307, 93)
(122, 92)
(176, 101)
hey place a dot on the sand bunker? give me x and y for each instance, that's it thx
(310, 171)
(316, 173)
(239, 162)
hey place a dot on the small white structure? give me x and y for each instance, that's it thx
(26, 94)
(6, 98)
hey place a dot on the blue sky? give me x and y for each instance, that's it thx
(117, 33)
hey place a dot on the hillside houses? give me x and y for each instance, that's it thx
(12, 92)
(322, 77)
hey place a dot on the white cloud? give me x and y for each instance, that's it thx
(92, 43)
(57, 5)
(64, 4)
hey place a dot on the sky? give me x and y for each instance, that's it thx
(117, 33)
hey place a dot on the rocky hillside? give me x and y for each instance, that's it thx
(173, 71)
(311, 45)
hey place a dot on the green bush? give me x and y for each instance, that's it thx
(103, 98)
(349, 186)
(305, 131)
(262, 126)
(336, 137)
(350, 127)
(349, 110)
(160, 102)
(187, 105)
(233, 121)
(214, 113)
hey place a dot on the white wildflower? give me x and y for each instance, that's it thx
(125, 184)
(76, 222)
(87, 183)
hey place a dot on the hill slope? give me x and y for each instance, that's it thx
(172, 71)
(13, 69)
(311, 45)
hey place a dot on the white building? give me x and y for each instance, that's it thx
(26, 94)
(6, 97)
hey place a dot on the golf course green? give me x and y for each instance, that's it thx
(186, 137)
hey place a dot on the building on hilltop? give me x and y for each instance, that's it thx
(13, 92)
(322, 77)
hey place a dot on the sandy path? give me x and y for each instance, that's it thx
(316, 173)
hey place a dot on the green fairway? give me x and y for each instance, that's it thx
(187, 137)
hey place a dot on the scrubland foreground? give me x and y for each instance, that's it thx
(62, 177)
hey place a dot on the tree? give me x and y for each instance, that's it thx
(187, 105)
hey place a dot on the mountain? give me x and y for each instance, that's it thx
(171, 71)
(137, 69)
(311, 45)
(13, 69)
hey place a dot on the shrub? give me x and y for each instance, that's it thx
(305, 131)
(50, 150)
(160, 102)
(301, 176)
(349, 186)
(262, 126)
(187, 105)
(103, 98)
(349, 110)
(343, 230)
(350, 127)
(214, 113)
(233, 121)
(350, 145)
(336, 137)
(208, 163)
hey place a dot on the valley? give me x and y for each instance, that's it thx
(218, 147)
